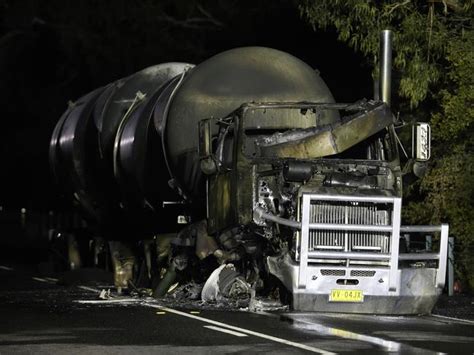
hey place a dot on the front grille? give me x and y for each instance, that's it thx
(362, 273)
(360, 213)
(334, 272)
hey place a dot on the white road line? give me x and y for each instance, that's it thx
(51, 279)
(389, 345)
(223, 330)
(242, 330)
(89, 289)
(119, 300)
(451, 318)
(41, 280)
(6, 268)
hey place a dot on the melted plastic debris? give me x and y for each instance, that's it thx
(190, 291)
(211, 287)
(260, 304)
(225, 290)
(105, 294)
(225, 283)
(108, 297)
(186, 297)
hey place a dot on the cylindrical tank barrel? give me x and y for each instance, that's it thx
(93, 151)
(221, 84)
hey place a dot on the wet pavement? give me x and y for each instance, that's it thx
(39, 316)
(458, 306)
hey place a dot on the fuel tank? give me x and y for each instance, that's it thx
(125, 149)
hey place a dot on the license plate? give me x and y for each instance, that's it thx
(346, 296)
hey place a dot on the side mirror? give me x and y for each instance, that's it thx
(421, 142)
(208, 165)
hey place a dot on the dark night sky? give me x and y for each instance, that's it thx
(54, 51)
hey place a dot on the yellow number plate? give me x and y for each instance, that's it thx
(346, 296)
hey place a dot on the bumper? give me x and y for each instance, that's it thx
(416, 293)
(379, 305)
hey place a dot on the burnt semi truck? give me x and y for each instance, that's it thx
(246, 159)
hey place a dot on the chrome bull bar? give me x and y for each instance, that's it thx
(393, 228)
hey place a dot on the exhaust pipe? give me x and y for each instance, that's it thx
(385, 72)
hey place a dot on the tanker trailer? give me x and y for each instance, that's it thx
(273, 180)
(83, 152)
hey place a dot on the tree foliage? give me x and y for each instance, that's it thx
(434, 80)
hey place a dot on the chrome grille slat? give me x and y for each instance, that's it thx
(361, 213)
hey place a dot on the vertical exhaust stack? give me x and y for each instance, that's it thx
(385, 72)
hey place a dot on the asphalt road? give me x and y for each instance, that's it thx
(40, 317)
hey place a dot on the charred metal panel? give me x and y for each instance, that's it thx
(221, 203)
(332, 139)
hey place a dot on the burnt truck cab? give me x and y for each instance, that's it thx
(326, 200)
